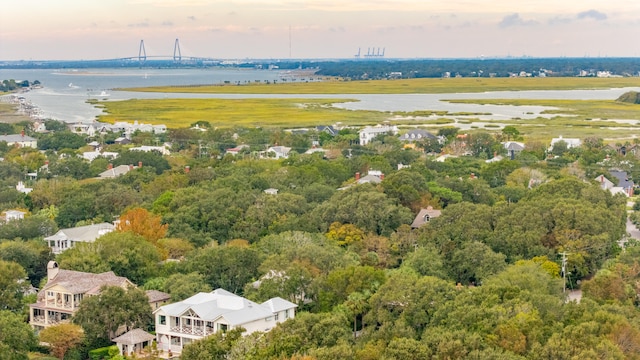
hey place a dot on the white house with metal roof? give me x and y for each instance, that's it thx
(20, 140)
(67, 238)
(203, 314)
(370, 132)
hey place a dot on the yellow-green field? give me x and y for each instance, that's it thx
(176, 113)
(585, 118)
(408, 86)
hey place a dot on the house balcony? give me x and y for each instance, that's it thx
(42, 321)
(67, 305)
(197, 331)
(39, 320)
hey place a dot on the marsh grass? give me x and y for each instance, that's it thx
(176, 113)
(575, 118)
(407, 86)
(9, 114)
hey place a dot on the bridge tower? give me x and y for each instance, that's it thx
(177, 55)
(142, 53)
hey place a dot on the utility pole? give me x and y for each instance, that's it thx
(564, 271)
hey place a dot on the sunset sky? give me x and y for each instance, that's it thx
(238, 29)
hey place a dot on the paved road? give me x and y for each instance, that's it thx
(632, 230)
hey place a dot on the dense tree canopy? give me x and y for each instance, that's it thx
(100, 316)
(482, 280)
(16, 336)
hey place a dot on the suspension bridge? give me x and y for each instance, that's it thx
(176, 57)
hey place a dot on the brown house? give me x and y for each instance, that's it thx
(424, 216)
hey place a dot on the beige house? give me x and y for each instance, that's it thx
(65, 290)
(203, 314)
(424, 216)
(157, 298)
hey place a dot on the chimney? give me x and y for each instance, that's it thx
(357, 176)
(130, 166)
(46, 162)
(139, 164)
(381, 176)
(52, 270)
(22, 133)
(110, 166)
(601, 179)
(187, 168)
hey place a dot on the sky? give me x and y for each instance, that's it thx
(317, 29)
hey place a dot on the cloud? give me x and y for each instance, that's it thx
(139, 25)
(559, 20)
(337, 29)
(167, 23)
(515, 20)
(232, 13)
(192, 18)
(593, 14)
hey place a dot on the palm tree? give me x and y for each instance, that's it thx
(357, 303)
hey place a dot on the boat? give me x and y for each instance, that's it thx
(103, 94)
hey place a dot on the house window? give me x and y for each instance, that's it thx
(286, 314)
(276, 316)
(268, 318)
(162, 320)
(223, 327)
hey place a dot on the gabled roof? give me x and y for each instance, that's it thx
(513, 146)
(605, 183)
(416, 134)
(155, 295)
(278, 304)
(328, 129)
(78, 282)
(379, 129)
(12, 138)
(115, 172)
(623, 179)
(133, 337)
(280, 149)
(87, 233)
(373, 179)
(423, 215)
(220, 303)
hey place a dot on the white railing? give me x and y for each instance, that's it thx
(175, 349)
(189, 330)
